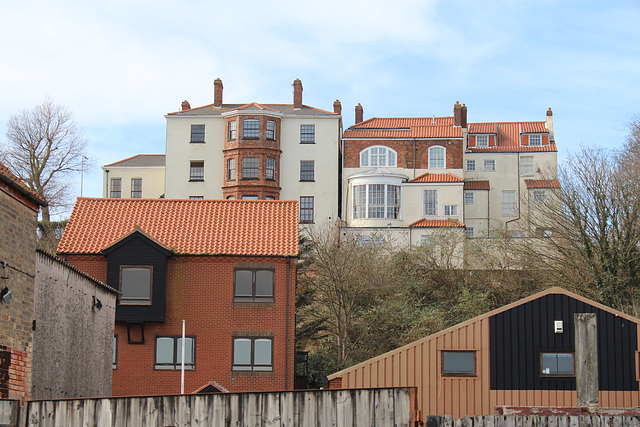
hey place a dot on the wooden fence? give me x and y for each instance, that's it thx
(534, 420)
(366, 407)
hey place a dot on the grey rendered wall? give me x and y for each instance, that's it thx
(73, 342)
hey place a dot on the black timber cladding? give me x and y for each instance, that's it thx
(518, 335)
(138, 249)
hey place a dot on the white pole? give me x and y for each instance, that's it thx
(182, 364)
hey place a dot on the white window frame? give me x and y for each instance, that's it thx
(232, 130)
(381, 155)
(437, 161)
(434, 210)
(249, 131)
(136, 188)
(484, 139)
(486, 165)
(469, 197)
(176, 362)
(526, 165)
(471, 165)
(364, 206)
(271, 130)
(307, 134)
(450, 210)
(539, 196)
(509, 205)
(537, 138)
(470, 232)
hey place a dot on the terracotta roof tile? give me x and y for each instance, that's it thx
(437, 177)
(223, 227)
(542, 183)
(12, 180)
(477, 185)
(509, 137)
(409, 133)
(402, 122)
(436, 223)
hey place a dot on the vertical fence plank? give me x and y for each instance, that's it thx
(270, 410)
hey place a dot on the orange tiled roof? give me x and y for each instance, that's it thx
(12, 180)
(436, 223)
(215, 227)
(542, 183)
(437, 177)
(477, 185)
(404, 128)
(509, 136)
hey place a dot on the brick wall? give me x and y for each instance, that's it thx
(18, 217)
(405, 150)
(200, 291)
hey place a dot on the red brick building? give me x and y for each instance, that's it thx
(18, 215)
(227, 268)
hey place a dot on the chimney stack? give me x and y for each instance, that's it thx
(550, 124)
(463, 117)
(297, 94)
(185, 105)
(457, 114)
(359, 113)
(217, 93)
(337, 107)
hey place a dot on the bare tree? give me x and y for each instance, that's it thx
(44, 146)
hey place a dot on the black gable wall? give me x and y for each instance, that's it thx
(139, 250)
(518, 335)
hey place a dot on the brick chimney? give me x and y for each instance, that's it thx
(337, 107)
(463, 117)
(550, 124)
(457, 114)
(217, 93)
(359, 113)
(297, 94)
(185, 105)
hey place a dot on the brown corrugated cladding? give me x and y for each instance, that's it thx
(419, 364)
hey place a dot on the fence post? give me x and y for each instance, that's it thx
(586, 359)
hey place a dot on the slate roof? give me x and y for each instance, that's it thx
(140, 160)
(16, 183)
(211, 227)
(542, 183)
(210, 110)
(436, 223)
(437, 177)
(477, 185)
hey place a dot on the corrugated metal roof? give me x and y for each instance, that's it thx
(231, 227)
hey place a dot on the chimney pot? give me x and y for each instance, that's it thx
(297, 94)
(185, 105)
(549, 112)
(217, 93)
(359, 113)
(550, 125)
(337, 107)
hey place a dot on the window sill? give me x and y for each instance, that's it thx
(252, 373)
(271, 139)
(307, 142)
(196, 180)
(254, 304)
(250, 138)
(270, 179)
(250, 179)
(197, 142)
(460, 375)
(307, 180)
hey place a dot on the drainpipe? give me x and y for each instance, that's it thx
(107, 183)
(414, 158)
(518, 193)
(286, 354)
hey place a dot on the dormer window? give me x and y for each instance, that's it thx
(378, 156)
(535, 140)
(135, 285)
(482, 140)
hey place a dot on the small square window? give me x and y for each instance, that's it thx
(471, 165)
(482, 140)
(557, 364)
(539, 196)
(271, 130)
(535, 140)
(169, 353)
(116, 188)
(196, 171)
(252, 354)
(450, 210)
(250, 168)
(251, 129)
(307, 170)
(197, 133)
(469, 198)
(135, 285)
(253, 284)
(489, 165)
(461, 363)
(307, 134)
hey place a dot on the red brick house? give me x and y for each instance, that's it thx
(227, 268)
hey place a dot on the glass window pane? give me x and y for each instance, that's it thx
(458, 362)
(136, 283)
(264, 283)
(244, 283)
(164, 350)
(188, 351)
(241, 351)
(262, 353)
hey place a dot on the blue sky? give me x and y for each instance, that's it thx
(120, 66)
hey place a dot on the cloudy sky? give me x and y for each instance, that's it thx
(120, 66)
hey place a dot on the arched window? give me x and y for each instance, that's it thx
(378, 156)
(437, 157)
